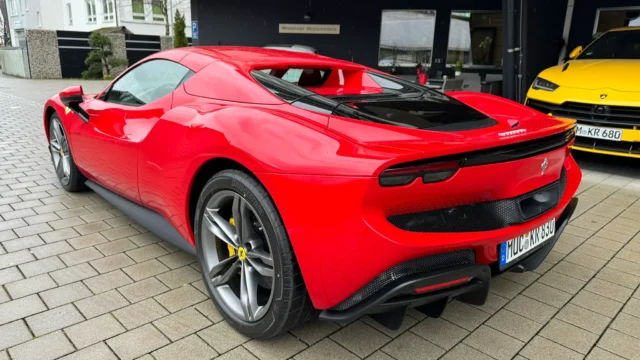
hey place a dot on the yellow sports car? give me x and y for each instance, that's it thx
(600, 88)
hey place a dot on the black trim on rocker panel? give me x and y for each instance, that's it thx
(150, 219)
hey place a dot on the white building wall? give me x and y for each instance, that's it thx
(78, 20)
(34, 14)
(54, 15)
(149, 26)
(17, 19)
(48, 13)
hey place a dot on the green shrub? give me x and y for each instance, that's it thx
(100, 61)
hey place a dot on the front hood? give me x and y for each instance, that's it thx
(620, 75)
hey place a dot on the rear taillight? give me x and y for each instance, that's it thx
(429, 172)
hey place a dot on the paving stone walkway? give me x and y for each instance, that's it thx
(78, 280)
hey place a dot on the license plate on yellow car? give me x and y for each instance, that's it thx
(598, 132)
(514, 249)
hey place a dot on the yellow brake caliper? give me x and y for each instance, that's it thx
(232, 251)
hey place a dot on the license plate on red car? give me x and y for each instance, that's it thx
(514, 249)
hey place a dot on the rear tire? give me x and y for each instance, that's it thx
(65, 167)
(288, 303)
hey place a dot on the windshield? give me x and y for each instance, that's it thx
(614, 45)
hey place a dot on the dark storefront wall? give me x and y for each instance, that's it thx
(543, 22)
(255, 23)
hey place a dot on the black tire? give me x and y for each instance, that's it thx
(291, 305)
(74, 181)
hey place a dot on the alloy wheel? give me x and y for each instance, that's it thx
(237, 256)
(60, 152)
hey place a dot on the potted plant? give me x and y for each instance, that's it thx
(458, 68)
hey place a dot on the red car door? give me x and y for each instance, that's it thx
(106, 146)
(103, 148)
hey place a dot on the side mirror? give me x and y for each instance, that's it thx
(71, 96)
(575, 52)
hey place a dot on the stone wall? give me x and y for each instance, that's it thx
(166, 42)
(119, 48)
(44, 56)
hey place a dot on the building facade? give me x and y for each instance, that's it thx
(511, 40)
(138, 16)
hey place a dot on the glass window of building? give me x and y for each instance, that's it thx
(406, 37)
(157, 10)
(475, 39)
(611, 18)
(107, 10)
(91, 11)
(137, 9)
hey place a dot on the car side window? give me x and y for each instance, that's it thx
(147, 82)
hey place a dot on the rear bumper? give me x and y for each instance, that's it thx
(468, 283)
(345, 240)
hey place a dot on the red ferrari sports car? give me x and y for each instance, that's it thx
(309, 186)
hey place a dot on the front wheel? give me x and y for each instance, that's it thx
(247, 261)
(68, 173)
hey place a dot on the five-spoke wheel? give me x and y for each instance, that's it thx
(60, 153)
(243, 276)
(69, 175)
(247, 261)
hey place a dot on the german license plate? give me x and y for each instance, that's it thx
(598, 132)
(516, 248)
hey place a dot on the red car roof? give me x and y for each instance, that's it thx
(255, 57)
(231, 65)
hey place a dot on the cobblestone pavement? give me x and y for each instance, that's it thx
(78, 280)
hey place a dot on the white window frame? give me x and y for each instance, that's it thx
(156, 17)
(108, 10)
(137, 16)
(92, 16)
(70, 13)
(14, 7)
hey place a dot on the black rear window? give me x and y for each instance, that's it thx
(281, 88)
(401, 103)
(438, 112)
